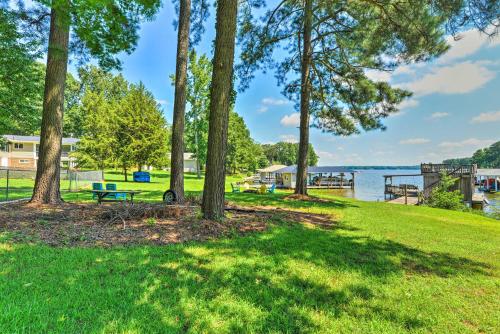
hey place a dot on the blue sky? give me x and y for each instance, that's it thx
(455, 109)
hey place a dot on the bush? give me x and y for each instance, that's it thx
(444, 197)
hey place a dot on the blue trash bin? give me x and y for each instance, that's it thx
(142, 177)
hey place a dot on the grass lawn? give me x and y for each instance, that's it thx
(383, 269)
(153, 191)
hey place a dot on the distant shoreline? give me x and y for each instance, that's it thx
(382, 167)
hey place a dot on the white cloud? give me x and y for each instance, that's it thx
(162, 102)
(472, 143)
(269, 101)
(459, 78)
(408, 103)
(332, 158)
(468, 43)
(291, 120)
(376, 75)
(289, 138)
(262, 109)
(487, 117)
(437, 115)
(414, 141)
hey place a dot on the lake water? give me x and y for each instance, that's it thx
(369, 185)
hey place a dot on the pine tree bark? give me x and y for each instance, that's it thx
(305, 94)
(47, 182)
(220, 99)
(177, 158)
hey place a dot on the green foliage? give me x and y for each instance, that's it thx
(73, 112)
(444, 196)
(141, 132)
(458, 161)
(243, 153)
(287, 154)
(350, 38)
(488, 157)
(21, 77)
(198, 98)
(122, 125)
(100, 29)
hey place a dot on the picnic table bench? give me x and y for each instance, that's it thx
(101, 194)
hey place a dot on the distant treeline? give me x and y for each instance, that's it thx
(383, 167)
(488, 157)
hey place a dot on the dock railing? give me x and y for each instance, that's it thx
(449, 169)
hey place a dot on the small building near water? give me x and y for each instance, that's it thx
(329, 177)
(268, 174)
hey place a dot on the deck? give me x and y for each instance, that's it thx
(401, 200)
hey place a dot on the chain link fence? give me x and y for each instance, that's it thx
(18, 183)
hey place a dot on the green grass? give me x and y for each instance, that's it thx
(153, 191)
(384, 269)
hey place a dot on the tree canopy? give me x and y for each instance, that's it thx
(284, 153)
(488, 157)
(21, 86)
(123, 125)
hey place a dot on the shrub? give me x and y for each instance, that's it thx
(443, 196)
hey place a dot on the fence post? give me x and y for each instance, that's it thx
(406, 194)
(7, 188)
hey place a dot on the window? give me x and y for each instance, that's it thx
(18, 146)
(24, 161)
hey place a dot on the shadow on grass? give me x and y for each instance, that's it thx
(279, 199)
(290, 279)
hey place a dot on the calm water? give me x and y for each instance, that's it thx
(370, 185)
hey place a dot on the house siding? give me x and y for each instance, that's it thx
(22, 163)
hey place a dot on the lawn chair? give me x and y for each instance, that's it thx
(272, 189)
(96, 186)
(117, 196)
(235, 188)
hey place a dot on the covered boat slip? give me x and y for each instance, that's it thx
(488, 179)
(318, 177)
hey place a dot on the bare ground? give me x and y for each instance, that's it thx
(88, 225)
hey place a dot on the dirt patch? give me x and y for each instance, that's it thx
(106, 225)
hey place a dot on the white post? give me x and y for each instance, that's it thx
(34, 155)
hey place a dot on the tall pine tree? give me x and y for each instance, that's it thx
(330, 47)
(99, 30)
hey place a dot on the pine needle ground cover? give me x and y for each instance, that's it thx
(379, 268)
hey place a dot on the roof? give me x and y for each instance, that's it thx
(488, 171)
(318, 169)
(271, 169)
(36, 139)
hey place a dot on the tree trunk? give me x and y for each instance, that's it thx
(48, 176)
(125, 173)
(305, 93)
(220, 99)
(177, 158)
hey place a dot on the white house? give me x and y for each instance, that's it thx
(190, 163)
(22, 151)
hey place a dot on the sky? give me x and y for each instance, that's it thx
(454, 111)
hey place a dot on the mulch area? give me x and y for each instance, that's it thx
(89, 225)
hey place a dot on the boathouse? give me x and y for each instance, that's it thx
(318, 177)
(431, 174)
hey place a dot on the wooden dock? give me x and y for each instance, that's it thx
(401, 200)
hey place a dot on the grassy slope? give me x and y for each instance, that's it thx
(386, 268)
